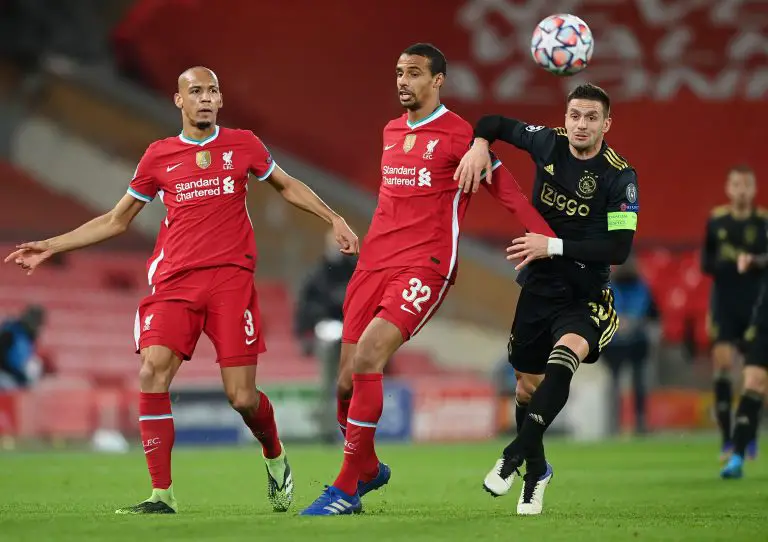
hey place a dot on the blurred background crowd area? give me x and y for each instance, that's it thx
(86, 85)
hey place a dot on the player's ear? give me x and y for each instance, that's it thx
(178, 100)
(607, 124)
(439, 80)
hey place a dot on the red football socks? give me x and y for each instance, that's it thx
(360, 461)
(261, 422)
(157, 435)
(342, 413)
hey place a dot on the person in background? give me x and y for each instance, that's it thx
(20, 367)
(322, 294)
(630, 344)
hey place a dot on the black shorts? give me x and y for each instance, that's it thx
(756, 336)
(541, 321)
(729, 318)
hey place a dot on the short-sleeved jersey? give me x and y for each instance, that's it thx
(203, 185)
(727, 237)
(580, 199)
(420, 209)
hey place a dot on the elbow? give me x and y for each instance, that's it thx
(287, 190)
(117, 226)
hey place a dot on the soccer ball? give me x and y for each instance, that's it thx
(562, 44)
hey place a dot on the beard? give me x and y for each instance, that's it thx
(203, 124)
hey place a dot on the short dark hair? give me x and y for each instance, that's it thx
(437, 62)
(741, 168)
(588, 91)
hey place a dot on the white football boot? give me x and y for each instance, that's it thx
(531, 500)
(499, 480)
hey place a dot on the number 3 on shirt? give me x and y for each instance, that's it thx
(417, 294)
(249, 323)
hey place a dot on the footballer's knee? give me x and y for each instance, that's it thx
(158, 366)
(756, 379)
(379, 341)
(722, 357)
(369, 357)
(243, 399)
(526, 386)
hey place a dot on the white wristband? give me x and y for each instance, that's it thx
(554, 247)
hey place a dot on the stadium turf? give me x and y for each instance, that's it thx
(657, 489)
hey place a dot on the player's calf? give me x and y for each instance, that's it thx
(524, 389)
(256, 410)
(159, 365)
(747, 418)
(344, 385)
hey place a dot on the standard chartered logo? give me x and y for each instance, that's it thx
(204, 187)
(406, 176)
(425, 177)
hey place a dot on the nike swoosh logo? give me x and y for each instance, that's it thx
(171, 168)
(249, 343)
(150, 450)
(406, 309)
(387, 147)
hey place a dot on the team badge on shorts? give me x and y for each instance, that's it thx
(409, 143)
(203, 159)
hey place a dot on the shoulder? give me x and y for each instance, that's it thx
(457, 127)
(616, 161)
(155, 150)
(761, 212)
(559, 131)
(456, 122)
(720, 211)
(237, 134)
(395, 123)
(161, 145)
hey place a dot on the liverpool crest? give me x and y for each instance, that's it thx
(410, 141)
(203, 159)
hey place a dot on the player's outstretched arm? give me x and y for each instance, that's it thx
(614, 249)
(508, 192)
(30, 255)
(538, 141)
(300, 195)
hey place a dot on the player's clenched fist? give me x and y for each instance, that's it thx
(345, 237)
(30, 255)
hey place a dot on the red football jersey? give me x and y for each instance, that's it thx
(203, 186)
(420, 210)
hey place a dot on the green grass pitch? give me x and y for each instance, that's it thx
(656, 489)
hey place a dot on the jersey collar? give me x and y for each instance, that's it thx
(436, 114)
(202, 142)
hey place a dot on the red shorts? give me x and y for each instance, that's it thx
(404, 296)
(220, 301)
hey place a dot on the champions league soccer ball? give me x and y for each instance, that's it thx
(562, 44)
